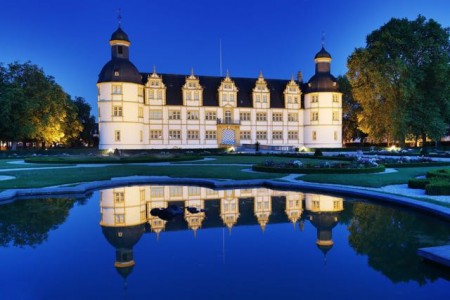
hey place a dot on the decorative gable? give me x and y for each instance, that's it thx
(192, 91)
(155, 89)
(261, 94)
(292, 95)
(227, 92)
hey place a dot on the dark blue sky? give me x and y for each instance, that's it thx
(69, 39)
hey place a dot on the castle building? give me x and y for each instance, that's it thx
(163, 111)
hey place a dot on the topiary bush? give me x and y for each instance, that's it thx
(438, 188)
(418, 183)
(318, 152)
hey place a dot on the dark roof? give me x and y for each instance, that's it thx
(127, 72)
(129, 236)
(119, 34)
(210, 84)
(322, 54)
(322, 82)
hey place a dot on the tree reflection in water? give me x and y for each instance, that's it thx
(390, 238)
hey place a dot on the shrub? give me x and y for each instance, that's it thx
(418, 183)
(318, 152)
(438, 187)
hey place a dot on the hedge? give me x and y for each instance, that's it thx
(442, 173)
(418, 183)
(438, 188)
(417, 164)
(261, 168)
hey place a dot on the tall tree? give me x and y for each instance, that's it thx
(86, 119)
(400, 79)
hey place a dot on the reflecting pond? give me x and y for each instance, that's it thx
(186, 242)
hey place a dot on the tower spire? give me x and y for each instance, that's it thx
(119, 17)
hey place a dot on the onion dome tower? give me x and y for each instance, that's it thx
(120, 98)
(323, 106)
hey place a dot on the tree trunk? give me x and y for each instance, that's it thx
(424, 139)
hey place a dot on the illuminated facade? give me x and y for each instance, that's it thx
(163, 111)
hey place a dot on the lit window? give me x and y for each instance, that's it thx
(210, 115)
(261, 135)
(210, 134)
(277, 135)
(155, 114)
(293, 135)
(117, 111)
(174, 115)
(292, 117)
(277, 117)
(192, 115)
(261, 117)
(117, 89)
(174, 135)
(116, 73)
(245, 135)
(192, 135)
(155, 134)
(119, 218)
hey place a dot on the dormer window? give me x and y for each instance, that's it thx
(116, 73)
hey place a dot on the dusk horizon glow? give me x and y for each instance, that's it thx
(69, 39)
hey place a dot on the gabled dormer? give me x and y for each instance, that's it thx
(227, 92)
(292, 95)
(192, 91)
(261, 94)
(155, 89)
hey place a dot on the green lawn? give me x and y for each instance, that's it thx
(5, 164)
(369, 180)
(42, 178)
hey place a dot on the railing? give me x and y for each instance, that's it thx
(229, 122)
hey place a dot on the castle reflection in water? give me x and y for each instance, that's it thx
(125, 213)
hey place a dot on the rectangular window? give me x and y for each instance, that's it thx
(336, 204)
(210, 116)
(335, 136)
(142, 195)
(140, 91)
(261, 135)
(157, 192)
(210, 135)
(245, 116)
(159, 95)
(192, 115)
(117, 135)
(155, 114)
(196, 96)
(289, 98)
(335, 98)
(140, 112)
(277, 135)
(224, 97)
(192, 135)
(277, 117)
(174, 115)
(316, 204)
(231, 97)
(314, 135)
(314, 116)
(194, 191)
(116, 89)
(293, 135)
(151, 94)
(119, 218)
(119, 197)
(188, 95)
(176, 191)
(155, 134)
(292, 117)
(117, 111)
(174, 135)
(141, 136)
(258, 98)
(335, 116)
(246, 135)
(261, 116)
(264, 98)
(314, 98)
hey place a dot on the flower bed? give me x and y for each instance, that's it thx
(355, 167)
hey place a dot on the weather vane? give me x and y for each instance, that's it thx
(119, 17)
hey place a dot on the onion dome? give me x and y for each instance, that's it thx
(120, 35)
(324, 223)
(123, 237)
(321, 54)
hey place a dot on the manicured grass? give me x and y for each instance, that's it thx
(369, 180)
(110, 159)
(42, 178)
(5, 164)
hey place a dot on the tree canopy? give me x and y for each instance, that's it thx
(400, 80)
(35, 108)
